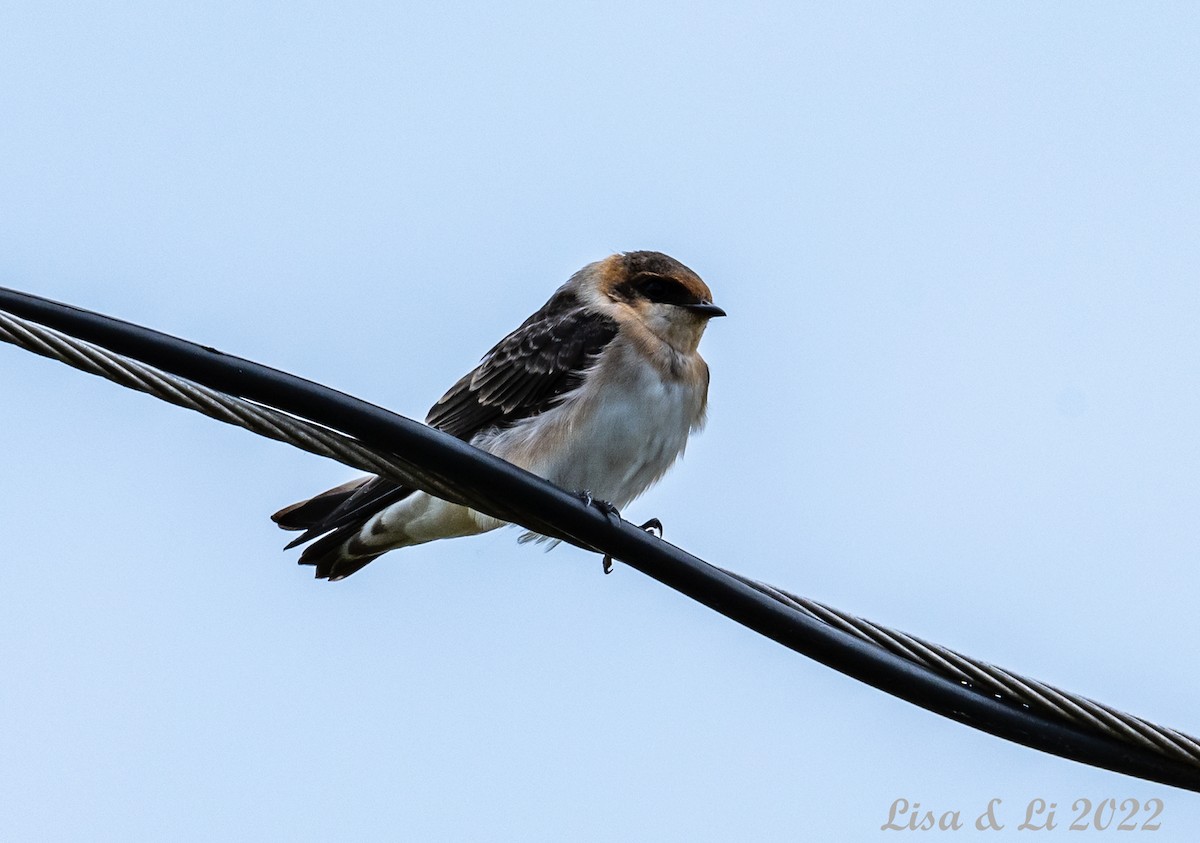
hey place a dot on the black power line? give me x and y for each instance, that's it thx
(1108, 739)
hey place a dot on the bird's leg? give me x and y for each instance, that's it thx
(654, 527)
(602, 505)
(605, 507)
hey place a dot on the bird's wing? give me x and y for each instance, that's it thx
(528, 371)
(524, 374)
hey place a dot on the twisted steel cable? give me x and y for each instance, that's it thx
(994, 691)
(996, 680)
(264, 421)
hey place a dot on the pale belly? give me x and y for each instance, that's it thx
(614, 447)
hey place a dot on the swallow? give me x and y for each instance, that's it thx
(597, 392)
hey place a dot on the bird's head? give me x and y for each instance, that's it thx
(661, 293)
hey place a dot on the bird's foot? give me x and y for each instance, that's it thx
(602, 505)
(653, 526)
(608, 509)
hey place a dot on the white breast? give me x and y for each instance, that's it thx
(614, 438)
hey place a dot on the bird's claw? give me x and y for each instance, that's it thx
(653, 526)
(602, 505)
(608, 509)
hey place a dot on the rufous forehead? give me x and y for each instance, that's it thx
(616, 269)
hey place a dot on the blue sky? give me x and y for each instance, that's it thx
(956, 393)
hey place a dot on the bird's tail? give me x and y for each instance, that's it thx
(315, 511)
(335, 556)
(333, 520)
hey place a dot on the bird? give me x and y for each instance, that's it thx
(597, 392)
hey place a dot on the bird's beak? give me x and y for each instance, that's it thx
(705, 308)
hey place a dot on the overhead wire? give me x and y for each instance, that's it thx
(323, 421)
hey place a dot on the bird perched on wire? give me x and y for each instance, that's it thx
(597, 392)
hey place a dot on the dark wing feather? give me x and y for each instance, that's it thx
(351, 503)
(526, 373)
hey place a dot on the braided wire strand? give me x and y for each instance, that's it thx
(1002, 683)
(129, 373)
(273, 424)
(264, 421)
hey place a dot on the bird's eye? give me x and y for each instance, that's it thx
(656, 288)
